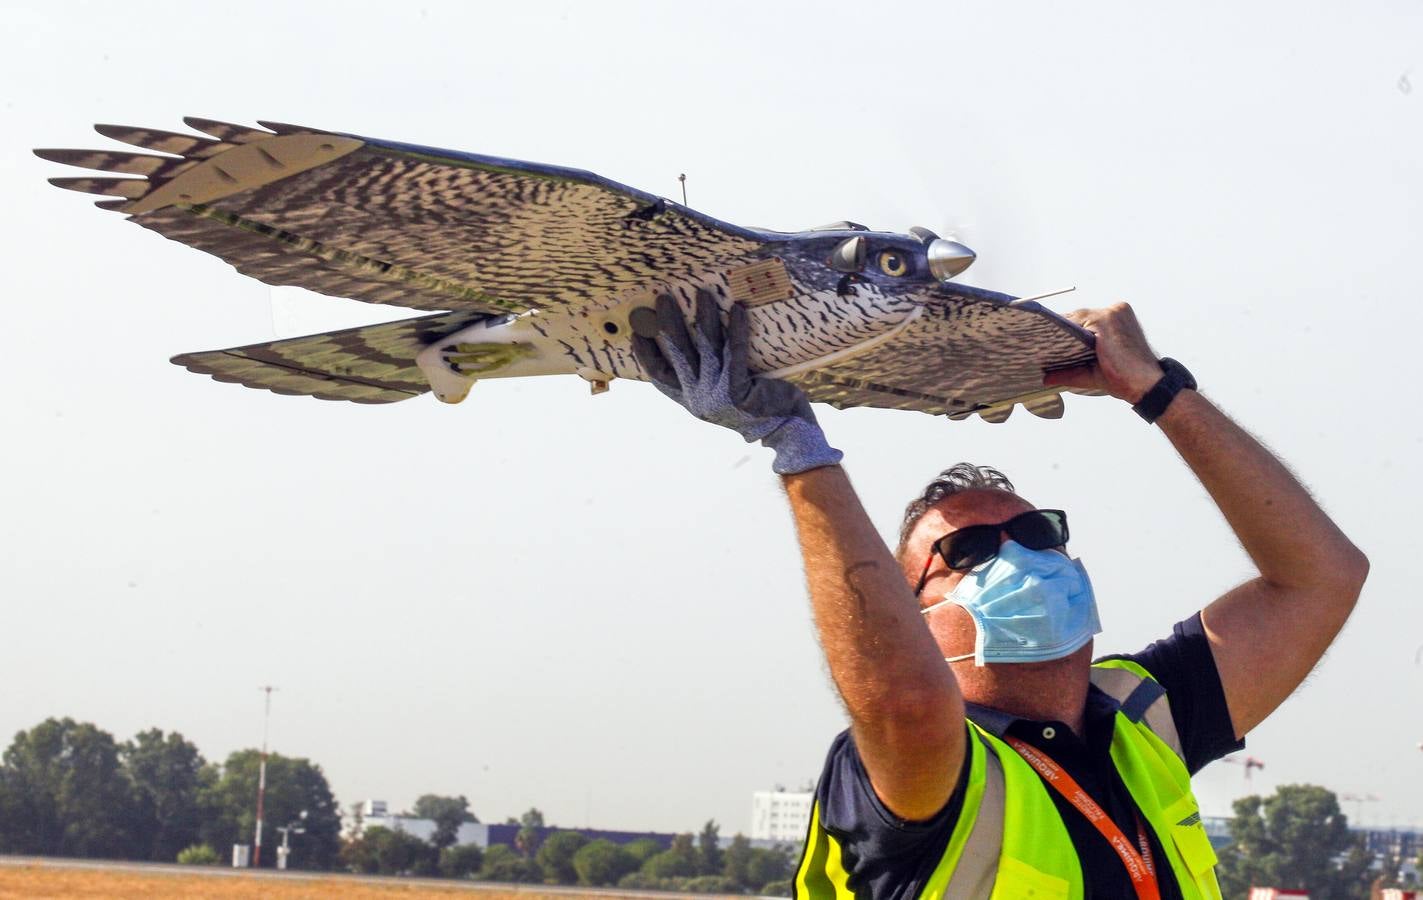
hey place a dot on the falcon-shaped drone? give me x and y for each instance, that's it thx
(528, 269)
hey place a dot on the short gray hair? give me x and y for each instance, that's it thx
(955, 479)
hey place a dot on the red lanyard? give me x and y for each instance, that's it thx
(1138, 864)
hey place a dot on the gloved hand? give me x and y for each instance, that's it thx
(707, 372)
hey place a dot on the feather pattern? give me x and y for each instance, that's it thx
(1010, 346)
(130, 188)
(385, 221)
(164, 141)
(107, 161)
(226, 131)
(513, 240)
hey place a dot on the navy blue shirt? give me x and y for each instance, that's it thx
(890, 859)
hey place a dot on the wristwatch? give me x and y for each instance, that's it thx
(1175, 378)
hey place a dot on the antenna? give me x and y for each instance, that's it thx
(683, 178)
(1036, 297)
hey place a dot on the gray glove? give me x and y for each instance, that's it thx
(707, 372)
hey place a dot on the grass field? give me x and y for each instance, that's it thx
(47, 881)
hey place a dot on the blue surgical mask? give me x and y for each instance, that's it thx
(1027, 606)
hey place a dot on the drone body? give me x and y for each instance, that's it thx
(535, 270)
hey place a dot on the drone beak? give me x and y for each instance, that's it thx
(948, 258)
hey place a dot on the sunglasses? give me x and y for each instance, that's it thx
(1038, 529)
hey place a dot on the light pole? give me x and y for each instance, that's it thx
(262, 776)
(284, 851)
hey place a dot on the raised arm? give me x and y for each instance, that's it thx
(1310, 573)
(906, 713)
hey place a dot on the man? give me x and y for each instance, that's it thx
(986, 754)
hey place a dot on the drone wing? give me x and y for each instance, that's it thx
(386, 222)
(968, 351)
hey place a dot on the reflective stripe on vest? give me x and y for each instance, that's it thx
(1010, 841)
(1035, 856)
(822, 872)
(1141, 698)
(978, 866)
(970, 862)
(1153, 769)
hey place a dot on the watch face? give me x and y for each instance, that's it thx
(1180, 376)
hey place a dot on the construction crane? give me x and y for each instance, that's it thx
(1250, 763)
(1359, 800)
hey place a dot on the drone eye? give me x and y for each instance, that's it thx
(892, 262)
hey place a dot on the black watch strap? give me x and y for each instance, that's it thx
(1175, 378)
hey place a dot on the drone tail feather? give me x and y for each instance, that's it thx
(370, 364)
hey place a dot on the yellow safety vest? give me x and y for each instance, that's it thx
(1010, 842)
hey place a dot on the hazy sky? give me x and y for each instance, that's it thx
(595, 605)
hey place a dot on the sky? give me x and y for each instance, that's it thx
(594, 605)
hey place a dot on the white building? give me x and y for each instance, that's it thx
(781, 816)
(375, 812)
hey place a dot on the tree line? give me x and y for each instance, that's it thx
(1299, 839)
(540, 855)
(69, 788)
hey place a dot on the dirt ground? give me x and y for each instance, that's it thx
(40, 881)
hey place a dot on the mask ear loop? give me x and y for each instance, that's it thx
(925, 577)
(978, 639)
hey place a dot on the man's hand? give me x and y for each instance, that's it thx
(1125, 368)
(707, 372)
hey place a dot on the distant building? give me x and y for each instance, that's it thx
(1217, 830)
(781, 816)
(1403, 843)
(375, 812)
(1409, 871)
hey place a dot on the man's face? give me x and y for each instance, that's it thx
(951, 625)
(981, 507)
